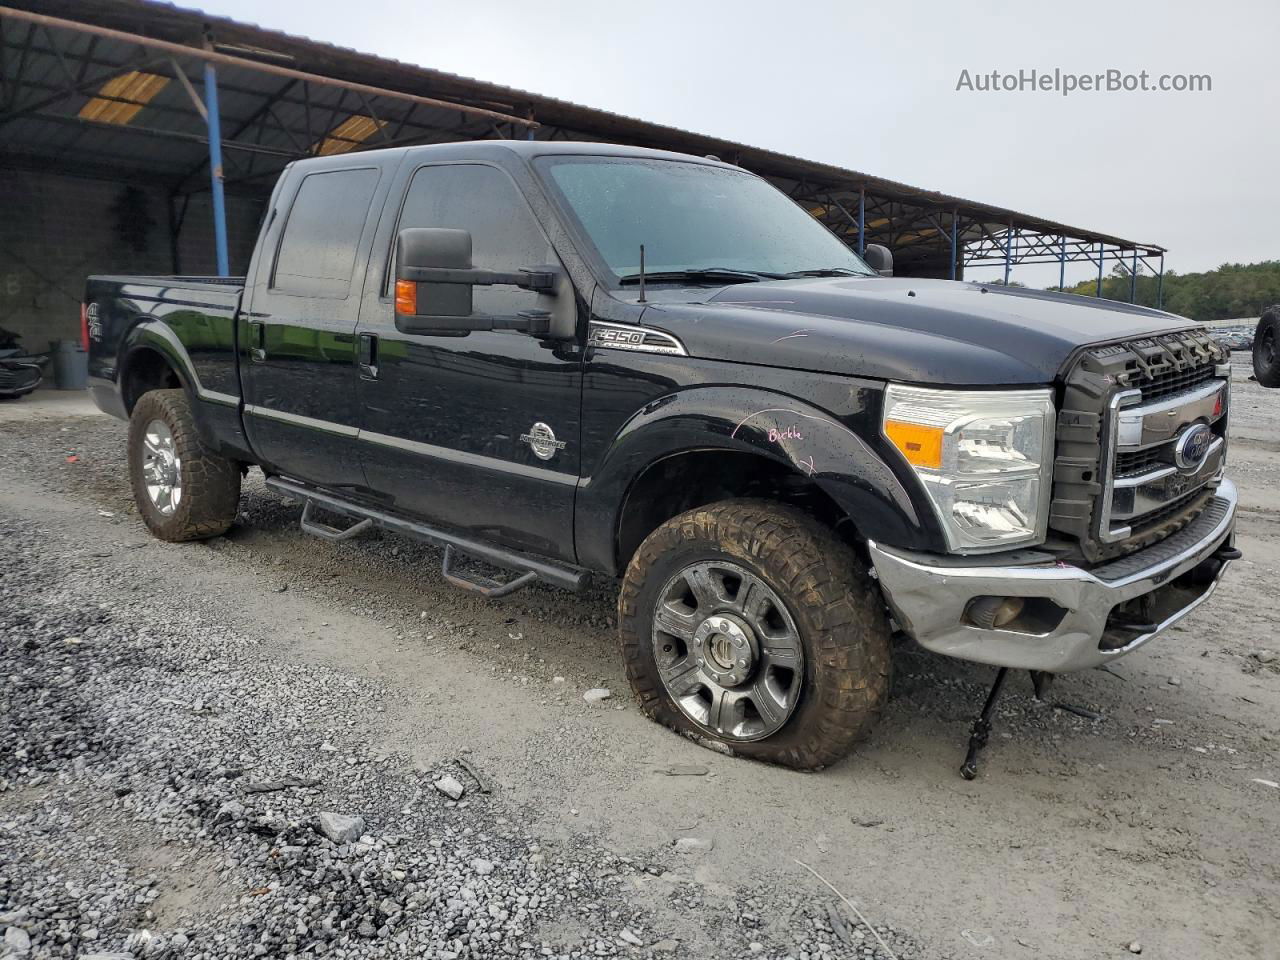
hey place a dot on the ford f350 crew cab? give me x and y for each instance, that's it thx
(570, 358)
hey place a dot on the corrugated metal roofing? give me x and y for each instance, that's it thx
(279, 119)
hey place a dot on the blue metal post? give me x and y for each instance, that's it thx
(1099, 293)
(1160, 285)
(215, 170)
(1062, 263)
(1008, 254)
(955, 216)
(1133, 278)
(862, 220)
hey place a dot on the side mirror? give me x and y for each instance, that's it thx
(435, 279)
(422, 252)
(879, 259)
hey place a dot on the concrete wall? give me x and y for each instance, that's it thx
(56, 230)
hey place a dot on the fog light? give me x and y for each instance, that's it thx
(992, 613)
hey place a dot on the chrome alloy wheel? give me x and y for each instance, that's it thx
(161, 468)
(727, 650)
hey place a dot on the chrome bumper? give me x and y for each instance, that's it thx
(930, 594)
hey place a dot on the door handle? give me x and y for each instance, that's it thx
(257, 341)
(367, 356)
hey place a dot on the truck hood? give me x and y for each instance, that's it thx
(904, 329)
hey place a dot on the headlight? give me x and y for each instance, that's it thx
(984, 457)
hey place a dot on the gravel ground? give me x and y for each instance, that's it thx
(170, 791)
(181, 725)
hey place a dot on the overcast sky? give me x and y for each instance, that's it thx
(872, 87)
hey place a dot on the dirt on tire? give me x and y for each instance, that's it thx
(837, 608)
(210, 482)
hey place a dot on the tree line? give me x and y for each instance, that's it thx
(1234, 290)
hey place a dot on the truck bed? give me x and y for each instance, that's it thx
(189, 320)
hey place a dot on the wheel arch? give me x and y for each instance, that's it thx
(153, 358)
(697, 477)
(710, 443)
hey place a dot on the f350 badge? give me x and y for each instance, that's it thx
(542, 440)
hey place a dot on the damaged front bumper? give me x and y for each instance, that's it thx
(1070, 618)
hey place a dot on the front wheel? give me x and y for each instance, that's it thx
(1266, 349)
(749, 624)
(184, 490)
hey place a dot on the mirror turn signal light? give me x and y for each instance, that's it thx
(921, 445)
(406, 298)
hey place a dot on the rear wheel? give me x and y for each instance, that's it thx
(1266, 349)
(750, 625)
(184, 491)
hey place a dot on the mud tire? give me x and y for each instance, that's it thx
(1266, 349)
(210, 482)
(836, 606)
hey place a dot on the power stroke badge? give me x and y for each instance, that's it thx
(542, 440)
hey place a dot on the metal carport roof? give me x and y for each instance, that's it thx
(70, 71)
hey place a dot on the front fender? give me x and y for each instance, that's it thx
(802, 437)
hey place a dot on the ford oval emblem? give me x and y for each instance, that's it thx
(1193, 446)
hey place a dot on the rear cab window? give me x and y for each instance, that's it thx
(317, 251)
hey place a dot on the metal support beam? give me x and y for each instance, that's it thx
(215, 169)
(1099, 290)
(1008, 254)
(15, 112)
(213, 57)
(1133, 278)
(862, 220)
(191, 90)
(1160, 285)
(955, 218)
(1062, 263)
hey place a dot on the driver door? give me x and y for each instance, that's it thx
(477, 432)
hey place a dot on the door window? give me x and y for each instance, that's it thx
(504, 234)
(318, 245)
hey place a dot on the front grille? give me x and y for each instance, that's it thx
(1173, 382)
(1116, 383)
(1138, 462)
(1184, 508)
(1212, 514)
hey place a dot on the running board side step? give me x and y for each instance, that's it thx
(489, 589)
(326, 532)
(528, 568)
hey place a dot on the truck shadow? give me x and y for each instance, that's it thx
(543, 632)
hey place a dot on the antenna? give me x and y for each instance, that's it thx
(641, 274)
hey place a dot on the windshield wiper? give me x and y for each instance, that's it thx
(702, 275)
(825, 272)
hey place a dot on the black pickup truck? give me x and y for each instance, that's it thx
(565, 359)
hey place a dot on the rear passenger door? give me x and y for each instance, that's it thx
(297, 333)
(478, 432)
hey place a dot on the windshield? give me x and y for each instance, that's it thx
(692, 217)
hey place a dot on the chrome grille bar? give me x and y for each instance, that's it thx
(1151, 424)
(1156, 427)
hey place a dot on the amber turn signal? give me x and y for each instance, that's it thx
(921, 445)
(406, 298)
